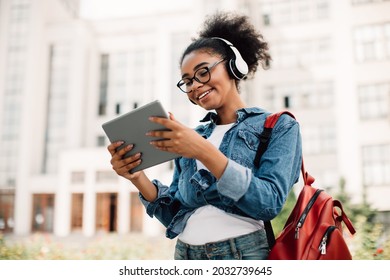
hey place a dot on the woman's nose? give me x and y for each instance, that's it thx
(195, 85)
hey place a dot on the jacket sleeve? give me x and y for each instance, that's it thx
(165, 206)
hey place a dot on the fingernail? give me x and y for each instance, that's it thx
(129, 146)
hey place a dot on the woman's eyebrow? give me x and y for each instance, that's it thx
(196, 68)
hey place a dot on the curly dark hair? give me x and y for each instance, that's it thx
(238, 30)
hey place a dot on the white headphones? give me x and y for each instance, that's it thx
(237, 65)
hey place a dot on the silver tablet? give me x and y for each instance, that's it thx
(132, 127)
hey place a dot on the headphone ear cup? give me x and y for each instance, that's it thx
(238, 68)
(235, 71)
(238, 65)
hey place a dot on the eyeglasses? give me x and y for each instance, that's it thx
(202, 75)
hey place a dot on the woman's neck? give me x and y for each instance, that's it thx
(228, 114)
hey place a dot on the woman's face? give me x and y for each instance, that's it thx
(214, 93)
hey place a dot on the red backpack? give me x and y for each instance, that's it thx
(314, 229)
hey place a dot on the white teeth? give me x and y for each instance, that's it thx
(203, 94)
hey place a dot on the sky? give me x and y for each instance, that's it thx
(105, 9)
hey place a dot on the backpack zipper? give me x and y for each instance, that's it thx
(303, 216)
(324, 239)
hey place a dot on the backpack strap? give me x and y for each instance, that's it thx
(270, 234)
(343, 217)
(269, 124)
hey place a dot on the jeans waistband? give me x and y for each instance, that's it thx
(232, 245)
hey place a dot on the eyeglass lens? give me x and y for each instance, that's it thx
(202, 75)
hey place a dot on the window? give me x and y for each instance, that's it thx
(118, 81)
(362, 2)
(101, 141)
(77, 177)
(102, 110)
(123, 77)
(14, 80)
(20, 11)
(7, 201)
(139, 78)
(323, 9)
(57, 106)
(136, 213)
(266, 19)
(376, 165)
(372, 42)
(301, 54)
(374, 101)
(302, 96)
(298, 11)
(117, 108)
(106, 212)
(77, 211)
(43, 212)
(106, 176)
(286, 102)
(319, 139)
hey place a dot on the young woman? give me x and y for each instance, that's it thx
(218, 199)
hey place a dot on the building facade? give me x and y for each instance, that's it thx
(62, 76)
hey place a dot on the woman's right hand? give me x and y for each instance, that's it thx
(122, 166)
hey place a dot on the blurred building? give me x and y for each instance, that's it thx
(62, 76)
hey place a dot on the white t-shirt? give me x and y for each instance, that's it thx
(209, 223)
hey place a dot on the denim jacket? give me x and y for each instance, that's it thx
(243, 189)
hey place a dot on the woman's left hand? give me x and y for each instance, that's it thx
(179, 139)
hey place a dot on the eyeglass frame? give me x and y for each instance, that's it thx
(208, 68)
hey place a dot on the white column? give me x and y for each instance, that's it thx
(62, 202)
(123, 208)
(89, 207)
(23, 206)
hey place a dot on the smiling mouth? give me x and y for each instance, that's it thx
(203, 94)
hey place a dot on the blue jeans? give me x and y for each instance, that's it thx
(252, 246)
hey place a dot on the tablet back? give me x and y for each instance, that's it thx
(132, 127)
